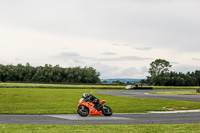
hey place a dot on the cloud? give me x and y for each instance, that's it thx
(108, 53)
(196, 59)
(125, 58)
(4, 62)
(121, 44)
(71, 59)
(17, 59)
(108, 71)
(131, 72)
(131, 46)
(105, 70)
(144, 48)
(174, 63)
(128, 21)
(131, 30)
(69, 54)
(185, 68)
(116, 44)
(74, 55)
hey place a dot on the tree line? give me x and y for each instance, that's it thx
(48, 74)
(160, 75)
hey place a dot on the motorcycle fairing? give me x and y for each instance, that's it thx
(92, 109)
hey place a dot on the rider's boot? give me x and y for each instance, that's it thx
(100, 107)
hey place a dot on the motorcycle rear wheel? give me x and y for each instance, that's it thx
(83, 111)
(107, 111)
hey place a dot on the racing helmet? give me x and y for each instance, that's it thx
(84, 95)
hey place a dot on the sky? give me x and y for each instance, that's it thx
(119, 38)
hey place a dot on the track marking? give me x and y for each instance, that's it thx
(179, 111)
(78, 117)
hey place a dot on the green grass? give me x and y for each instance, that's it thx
(63, 101)
(58, 86)
(20, 98)
(168, 128)
(175, 87)
(176, 93)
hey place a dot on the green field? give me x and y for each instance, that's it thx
(172, 128)
(20, 98)
(64, 101)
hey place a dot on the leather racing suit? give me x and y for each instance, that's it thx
(93, 99)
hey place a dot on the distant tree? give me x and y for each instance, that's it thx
(3, 73)
(143, 82)
(189, 81)
(128, 82)
(118, 82)
(149, 81)
(29, 72)
(105, 81)
(197, 77)
(180, 81)
(159, 71)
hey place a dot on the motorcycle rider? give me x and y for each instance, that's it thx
(92, 99)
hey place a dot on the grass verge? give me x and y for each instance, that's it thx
(176, 93)
(64, 101)
(168, 128)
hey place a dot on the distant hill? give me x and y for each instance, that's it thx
(124, 80)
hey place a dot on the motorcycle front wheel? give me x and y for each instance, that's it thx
(107, 111)
(83, 111)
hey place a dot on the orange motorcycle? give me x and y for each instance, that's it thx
(87, 108)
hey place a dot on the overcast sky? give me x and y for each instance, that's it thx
(119, 38)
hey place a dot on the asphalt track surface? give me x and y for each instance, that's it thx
(115, 119)
(144, 94)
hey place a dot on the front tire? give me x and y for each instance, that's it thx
(107, 111)
(83, 111)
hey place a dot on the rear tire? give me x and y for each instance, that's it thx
(107, 111)
(83, 111)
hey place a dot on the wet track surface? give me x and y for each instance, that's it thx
(115, 119)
